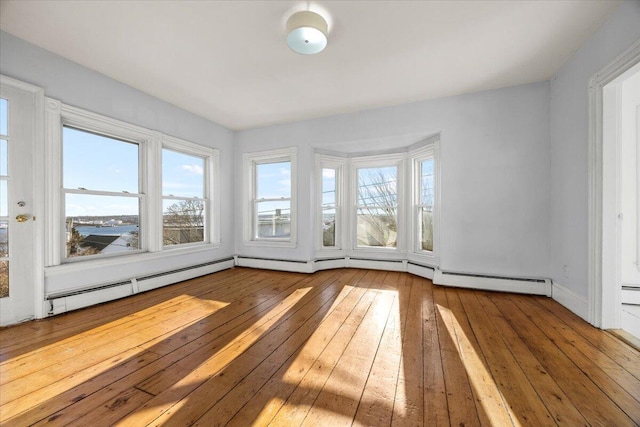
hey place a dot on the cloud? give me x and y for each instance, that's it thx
(194, 169)
(328, 173)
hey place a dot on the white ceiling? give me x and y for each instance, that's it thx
(228, 60)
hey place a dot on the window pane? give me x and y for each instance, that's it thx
(101, 224)
(274, 219)
(273, 180)
(378, 186)
(426, 182)
(328, 187)
(182, 174)
(426, 229)
(4, 117)
(4, 160)
(4, 279)
(182, 221)
(98, 162)
(4, 238)
(377, 227)
(328, 227)
(4, 207)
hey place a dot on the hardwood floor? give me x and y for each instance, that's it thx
(251, 347)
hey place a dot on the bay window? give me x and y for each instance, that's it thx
(393, 210)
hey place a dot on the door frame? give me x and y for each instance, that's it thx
(38, 176)
(604, 295)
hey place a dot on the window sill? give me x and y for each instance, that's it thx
(114, 261)
(271, 243)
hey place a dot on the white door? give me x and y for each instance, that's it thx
(17, 229)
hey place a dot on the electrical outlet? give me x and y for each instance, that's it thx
(565, 271)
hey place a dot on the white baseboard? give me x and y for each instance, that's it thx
(488, 283)
(371, 264)
(275, 264)
(62, 304)
(630, 317)
(569, 299)
(630, 295)
(421, 271)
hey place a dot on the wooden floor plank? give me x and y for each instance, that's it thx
(593, 403)
(340, 396)
(461, 402)
(340, 347)
(526, 406)
(264, 397)
(379, 396)
(299, 402)
(212, 334)
(19, 339)
(560, 406)
(610, 377)
(245, 351)
(307, 343)
(408, 407)
(436, 406)
(625, 356)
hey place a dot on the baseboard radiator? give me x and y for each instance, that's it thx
(523, 285)
(62, 302)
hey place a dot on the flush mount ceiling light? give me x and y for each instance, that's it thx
(306, 33)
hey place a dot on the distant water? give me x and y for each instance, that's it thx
(118, 230)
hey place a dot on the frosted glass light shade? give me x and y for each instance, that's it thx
(306, 33)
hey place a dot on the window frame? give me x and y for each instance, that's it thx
(378, 161)
(409, 242)
(339, 164)
(150, 143)
(211, 161)
(251, 160)
(425, 152)
(92, 123)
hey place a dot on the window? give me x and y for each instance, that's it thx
(123, 189)
(425, 199)
(272, 196)
(329, 189)
(425, 204)
(377, 207)
(393, 205)
(102, 194)
(184, 201)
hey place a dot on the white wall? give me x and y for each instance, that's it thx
(495, 173)
(78, 86)
(569, 141)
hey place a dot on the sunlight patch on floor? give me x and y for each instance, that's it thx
(485, 389)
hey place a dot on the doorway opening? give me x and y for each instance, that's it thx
(614, 195)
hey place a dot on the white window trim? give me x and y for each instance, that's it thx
(408, 241)
(211, 190)
(339, 165)
(91, 122)
(250, 160)
(397, 160)
(57, 115)
(431, 150)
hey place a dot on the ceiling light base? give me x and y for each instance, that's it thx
(306, 33)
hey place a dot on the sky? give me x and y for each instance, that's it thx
(96, 162)
(99, 163)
